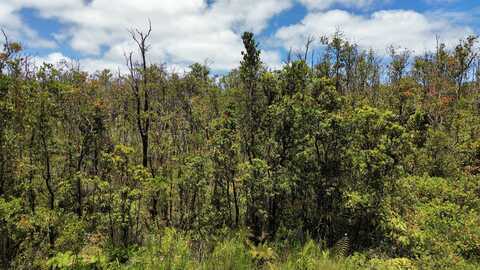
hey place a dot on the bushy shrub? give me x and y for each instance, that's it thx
(434, 219)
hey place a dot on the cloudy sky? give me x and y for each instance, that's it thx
(95, 32)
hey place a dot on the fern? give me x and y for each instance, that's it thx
(341, 248)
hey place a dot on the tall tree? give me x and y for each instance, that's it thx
(139, 83)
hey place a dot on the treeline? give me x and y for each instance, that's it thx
(353, 151)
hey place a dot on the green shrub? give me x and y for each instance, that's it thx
(435, 218)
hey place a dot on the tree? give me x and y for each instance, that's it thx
(398, 64)
(139, 83)
(250, 74)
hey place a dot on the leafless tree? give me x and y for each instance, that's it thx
(139, 86)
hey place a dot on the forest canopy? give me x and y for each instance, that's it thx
(343, 159)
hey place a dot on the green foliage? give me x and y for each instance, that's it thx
(321, 165)
(69, 261)
(170, 251)
(435, 218)
(230, 254)
(310, 256)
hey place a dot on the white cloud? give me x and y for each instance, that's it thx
(403, 28)
(272, 59)
(7, 18)
(18, 30)
(87, 64)
(251, 15)
(325, 4)
(184, 31)
(55, 58)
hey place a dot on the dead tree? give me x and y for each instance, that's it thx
(139, 85)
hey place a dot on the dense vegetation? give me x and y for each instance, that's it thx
(346, 160)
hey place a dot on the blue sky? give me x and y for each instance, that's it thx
(95, 32)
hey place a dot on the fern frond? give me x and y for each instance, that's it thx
(341, 248)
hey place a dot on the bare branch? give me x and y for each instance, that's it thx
(289, 57)
(140, 37)
(5, 37)
(308, 43)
